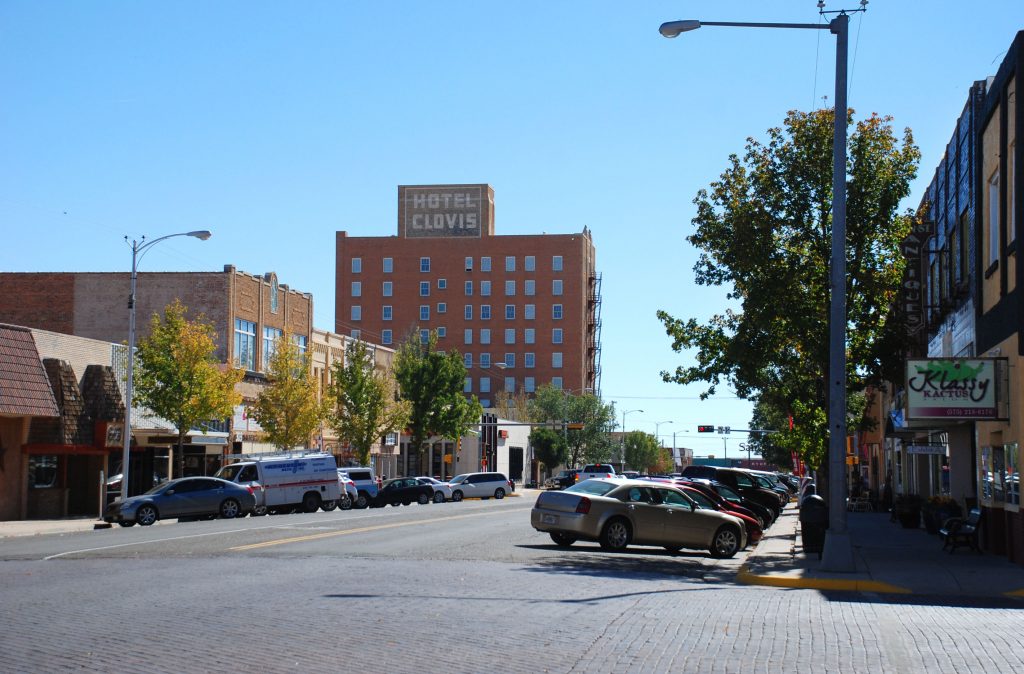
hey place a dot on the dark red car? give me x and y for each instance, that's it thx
(704, 500)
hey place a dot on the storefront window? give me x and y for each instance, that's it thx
(985, 474)
(1011, 474)
(42, 471)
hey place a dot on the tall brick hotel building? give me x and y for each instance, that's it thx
(524, 310)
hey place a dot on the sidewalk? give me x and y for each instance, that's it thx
(13, 528)
(888, 558)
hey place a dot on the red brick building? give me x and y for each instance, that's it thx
(524, 310)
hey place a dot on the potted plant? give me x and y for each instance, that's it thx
(908, 510)
(937, 509)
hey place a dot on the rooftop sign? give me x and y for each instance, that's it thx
(443, 211)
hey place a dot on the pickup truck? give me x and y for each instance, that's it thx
(596, 470)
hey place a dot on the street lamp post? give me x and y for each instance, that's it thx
(657, 426)
(838, 552)
(622, 445)
(139, 248)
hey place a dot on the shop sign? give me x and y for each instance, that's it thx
(926, 449)
(435, 211)
(951, 388)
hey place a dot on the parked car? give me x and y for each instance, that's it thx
(592, 470)
(741, 481)
(618, 513)
(367, 484)
(480, 485)
(287, 482)
(565, 478)
(183, 497)
(750, 523)
(764, 514)
(442, 490)
(735, 505)
(402, 491)
(349, 491)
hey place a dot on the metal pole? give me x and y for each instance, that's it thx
(131, 375)
(837, 554)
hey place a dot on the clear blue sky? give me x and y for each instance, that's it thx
(276, 124)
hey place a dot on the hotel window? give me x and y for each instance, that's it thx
(424, 288)
(510, 288)
(556, 359)
(529, 336)
(530, 312)
(300, 341)
(510, 384)
(556, 312)
(530, 263)
(510, 312)
(442, 307)
(529, 287)
(467, 359)
(424, 264)
(387, 289)
(424, 312)
(469, 264)
(467, 386)
(468, 312)
(385, 337)
(424, 336)
(510, 263)
(485, 360)
(245, 344)
(270, 336)
(556, 263)
(510, 360)
(386, 312)
(469, 288)
(485, 336)
(442, 284)
(467, 336)
(556, 382)
(485, 288)
(993, 218)
(357, 288)
(529, 384)
(556, 287)
(357, 265)
(510, 335)
(485, 384)
(357, 312)
(485, 312)
(485, 264)
(355, 333)
(556, 336)
(529, 359)
(442, 332)
(389, 265)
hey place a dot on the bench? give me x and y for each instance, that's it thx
(957, 532)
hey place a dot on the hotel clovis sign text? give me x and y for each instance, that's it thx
(952, 388)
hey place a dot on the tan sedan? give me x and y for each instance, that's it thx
(617, 513)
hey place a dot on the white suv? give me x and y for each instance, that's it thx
(366, 484)
(480, 485)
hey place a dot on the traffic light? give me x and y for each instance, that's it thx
(705, 429)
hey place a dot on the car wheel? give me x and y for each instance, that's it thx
(346, 502)
(726, 542)
(438, 497)
(126, 524)
(361, 501)
(562, 540)
(230, 509)
(328, 506)
(616, 534)
(310, 502)
(395, 504)
(499, 493)
(456, 496)
(673, 548)
(258, 511)
(406, 502)
(423, 499)
(146, 515)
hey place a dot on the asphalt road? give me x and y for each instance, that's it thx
(465, 587)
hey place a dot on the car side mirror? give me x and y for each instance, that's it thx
(169, 492)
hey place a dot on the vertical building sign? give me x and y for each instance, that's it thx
(912, 292)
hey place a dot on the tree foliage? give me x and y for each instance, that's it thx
(549, 447)
(763, 230)
(432, 382)
(588, 444)
(363, 401)
(177, 375)
(289, 408)
(642, 451)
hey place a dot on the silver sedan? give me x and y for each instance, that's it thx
(618, 513)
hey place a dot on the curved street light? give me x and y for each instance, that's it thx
(139, 248)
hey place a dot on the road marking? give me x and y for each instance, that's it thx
(377, 527)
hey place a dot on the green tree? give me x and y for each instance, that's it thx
(588, 444)
(549, 447)
(177, 375)
(764, 232)
(642, 451)
(432, 382)
(364, 401)
(289, 407)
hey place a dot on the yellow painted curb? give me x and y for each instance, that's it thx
(744, 576)
(1015, 593)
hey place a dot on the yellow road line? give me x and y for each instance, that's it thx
(329, 534)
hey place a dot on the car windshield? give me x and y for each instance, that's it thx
(592, 487)
(160, 487)
(459, 479)
(229, 472)
(728, 494)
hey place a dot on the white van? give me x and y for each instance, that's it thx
(287, 481)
